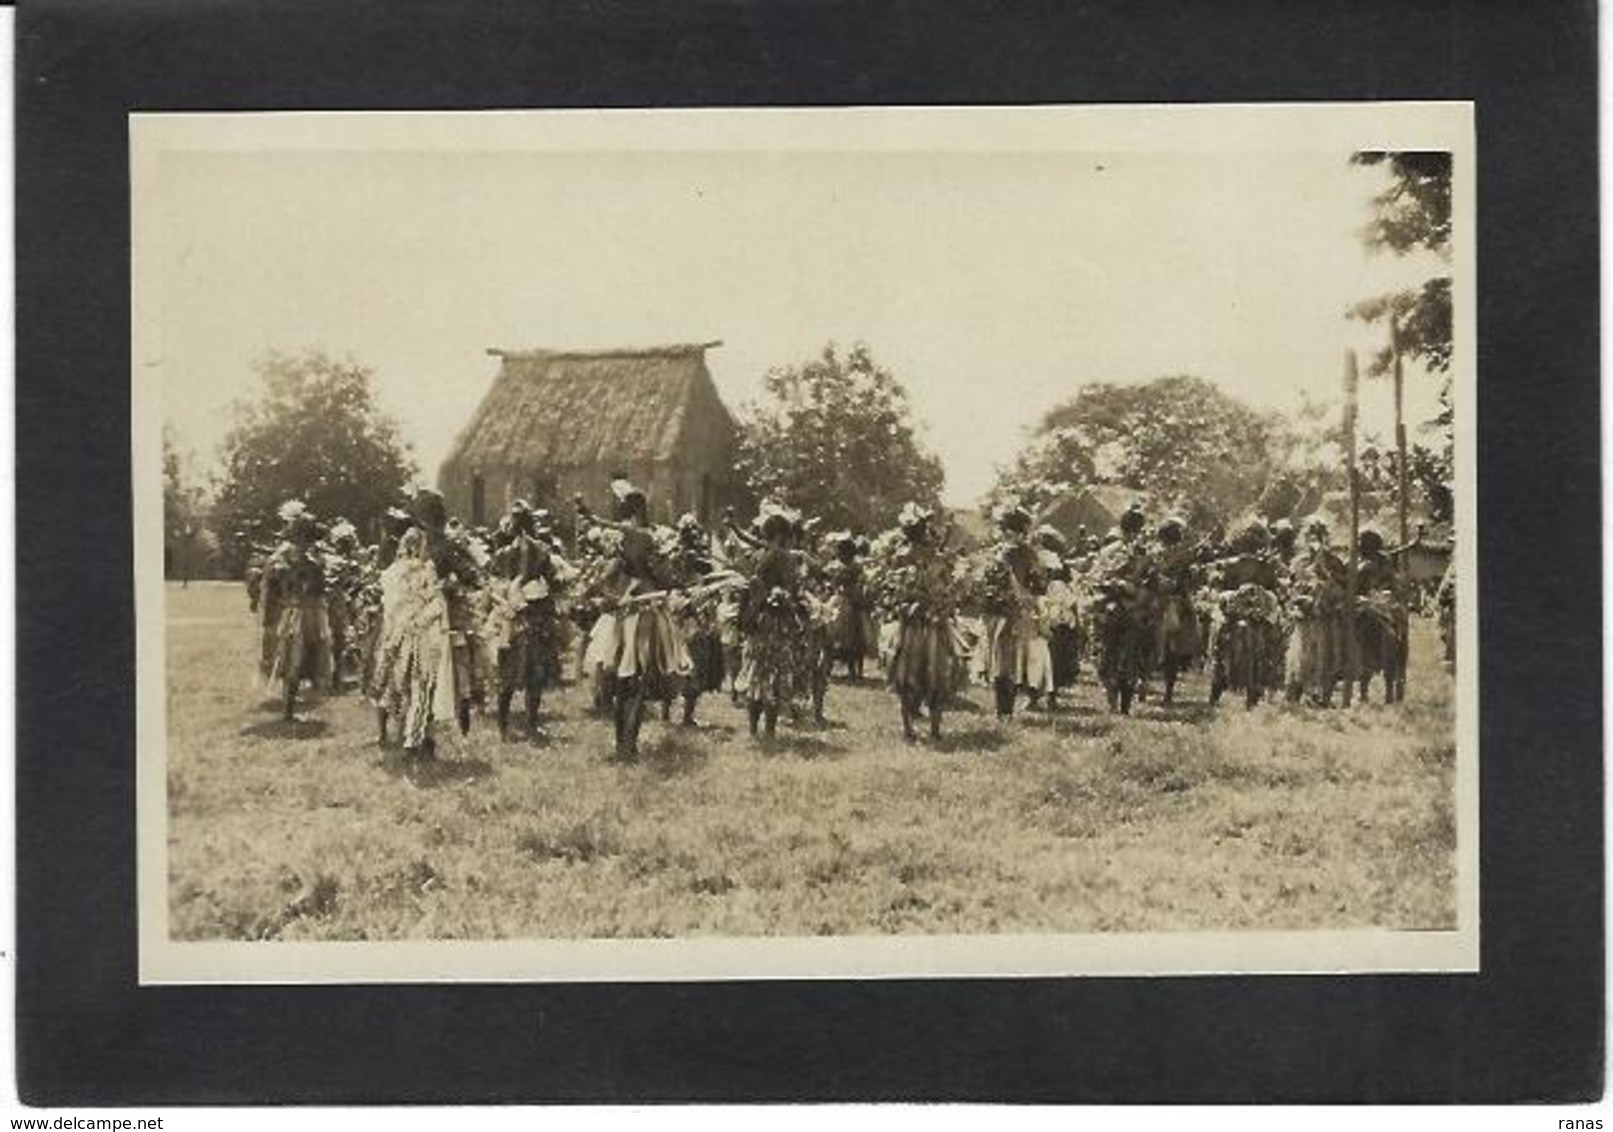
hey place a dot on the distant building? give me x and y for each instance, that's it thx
(970, 529)
(558, 423)
(1427, 556)
(1097, 507)
(1429, 545)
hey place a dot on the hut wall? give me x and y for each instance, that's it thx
(700, 484)
(706, 450)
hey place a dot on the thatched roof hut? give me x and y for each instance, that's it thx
(557, 423)
(970, 529)
(1097, 507)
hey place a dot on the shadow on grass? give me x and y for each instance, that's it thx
(434, 773)
(962, 705)
(1088, 725)
(801, 745)
(702, 729)
(674, 754)
(295, 729)
(307, 698)
(520, 735)
(808, 724)
(968, 740)
(1176, 712)
(1044, 719)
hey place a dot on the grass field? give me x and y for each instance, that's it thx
(1188, 819)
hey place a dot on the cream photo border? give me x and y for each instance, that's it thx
(1274, 127)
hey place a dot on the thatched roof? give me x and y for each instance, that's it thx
(1113, 497)
(971, 528)
(566, 408)
(1100, 502)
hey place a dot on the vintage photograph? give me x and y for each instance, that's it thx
(709, 544)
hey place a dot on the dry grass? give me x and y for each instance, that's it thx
(1277, 818)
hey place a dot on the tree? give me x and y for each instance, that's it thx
(314, 433)
(1411, 216)
(835, 437)
(1178, 441)
(189, 546)
(1432, 472)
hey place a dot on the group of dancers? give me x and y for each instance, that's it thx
(437, 622)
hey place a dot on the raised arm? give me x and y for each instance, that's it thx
(732, 523)
(584, 513)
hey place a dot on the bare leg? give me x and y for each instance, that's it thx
(504, 698)
(629, 708)
(635, 720)
(1005, 697)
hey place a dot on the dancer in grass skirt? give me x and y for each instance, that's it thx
(1124, 611)
(1317, 645)
(773, 619)
(295, 576)
(394, 524)
(1015, 654)
(1381, 621)
(911, 578)
(853, 633)
(695, 612)
(1060, 609)
(413, 680)
(524, 622)
(1248, 630)
(1176, 579)
(634, 639)
(460, 564)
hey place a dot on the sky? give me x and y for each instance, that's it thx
(992, 284)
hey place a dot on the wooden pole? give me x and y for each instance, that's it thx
(1403, 579)
(1400, 439)
(1352, 644)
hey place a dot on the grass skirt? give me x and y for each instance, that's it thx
(1014, 649)
(706, 660)
(923, 659)
(1317, 657)
(1065, 645)
(302, 646)
(413, 675)
(852, 635)
(531, 656)
(640, 643)
(775, 664)
(1382, 631)
(1179, 630)
(1126, 639)
(1265, 637)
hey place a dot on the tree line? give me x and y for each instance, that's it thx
(837, 437)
